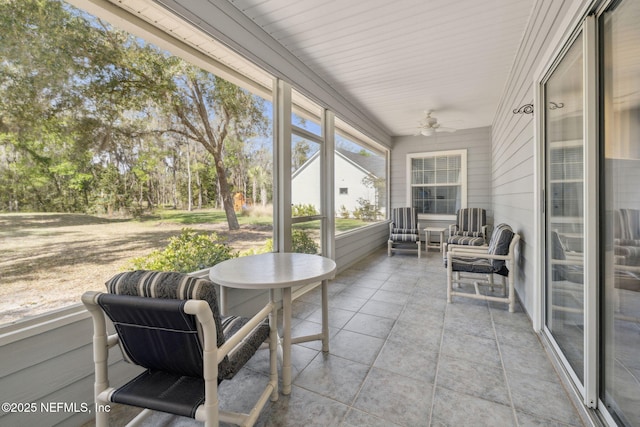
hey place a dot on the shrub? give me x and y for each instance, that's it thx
(301, 243)
(186, 253)
(366, 211)
(304, 210)
(344, 212)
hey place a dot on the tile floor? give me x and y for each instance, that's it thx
(401, 356)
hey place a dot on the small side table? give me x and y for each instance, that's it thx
(428, 244)
(280, 271)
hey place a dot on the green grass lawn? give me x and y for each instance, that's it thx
(217, 215)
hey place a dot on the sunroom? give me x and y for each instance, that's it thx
(541, 102)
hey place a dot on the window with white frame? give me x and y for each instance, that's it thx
(437, 183)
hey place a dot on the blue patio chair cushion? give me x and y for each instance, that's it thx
(179, 286)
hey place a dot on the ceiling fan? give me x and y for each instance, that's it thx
(429, 125)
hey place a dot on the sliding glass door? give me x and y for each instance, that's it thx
(590, 127)
(564, 214)
(620, 199)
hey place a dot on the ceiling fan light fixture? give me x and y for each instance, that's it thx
(429, 125)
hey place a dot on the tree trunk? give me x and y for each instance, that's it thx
(199, 185)
(189, 192)
(225, 195)
(254, 190)
(263, 195)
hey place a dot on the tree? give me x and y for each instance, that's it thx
(211, 111)
(300, 154)
(82, 101)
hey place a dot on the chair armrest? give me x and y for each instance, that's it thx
(480, 255)
(567, 262)
(629, 268)
(466, 248)
(485, 231)
(243, 332)
(453, 228)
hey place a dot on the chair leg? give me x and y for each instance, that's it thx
(449, 280)
(512, 297)
(273, 346)
(419, 249)
(389, 246)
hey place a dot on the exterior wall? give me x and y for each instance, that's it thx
(46, 364)
(350, 176)
(353, 246)
(513, 146)
(478, 144)
(305, 185)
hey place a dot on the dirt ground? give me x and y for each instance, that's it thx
(49, 260)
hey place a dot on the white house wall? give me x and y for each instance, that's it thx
(512, 143)
(350, 177)
(305, 186)
(477, 141)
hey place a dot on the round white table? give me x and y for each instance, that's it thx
(280, 271)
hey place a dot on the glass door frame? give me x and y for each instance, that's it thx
(283, 132)
(586, 26)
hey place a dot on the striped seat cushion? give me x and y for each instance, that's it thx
(471, 220)
(469, 233)
(627, 224)
(247, 347)
(404, 218)
(629, 255)
(172, 285)
(405, 225)
(499, 245)
(474, 265)
(466, 240)
(404, 235)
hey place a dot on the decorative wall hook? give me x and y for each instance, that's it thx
(525, 109)
(554, 105)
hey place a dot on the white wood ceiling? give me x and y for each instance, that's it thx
(395, 59)
(392, 59)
